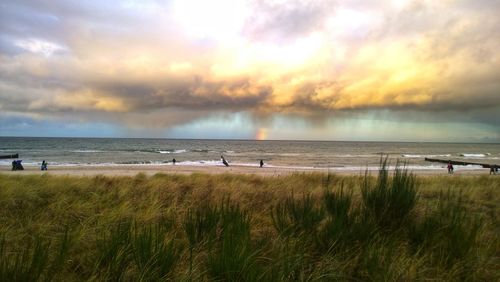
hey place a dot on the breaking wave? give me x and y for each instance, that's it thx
(474, 155)
(424, 156)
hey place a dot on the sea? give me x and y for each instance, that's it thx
(312, 155)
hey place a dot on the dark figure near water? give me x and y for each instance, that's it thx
(224, 160)
(174, 161)
(44, 165)
(261, 163)
(493, 170)
(450, 168)
(16, 165)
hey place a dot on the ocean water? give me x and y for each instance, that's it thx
(296, 154)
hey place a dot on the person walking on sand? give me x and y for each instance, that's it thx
(450, 168)
(493, 169)
(261, 163)
(44, 165)
(224, 160)
(173, 161)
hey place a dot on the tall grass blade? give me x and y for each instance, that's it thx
(296, 217)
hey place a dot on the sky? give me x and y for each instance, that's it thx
(409, 70)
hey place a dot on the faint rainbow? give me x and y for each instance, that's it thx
(261, 134)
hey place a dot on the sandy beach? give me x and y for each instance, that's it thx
(124, 170)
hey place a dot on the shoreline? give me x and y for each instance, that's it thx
(131, 170)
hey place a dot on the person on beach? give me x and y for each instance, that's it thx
(493, 169)
(224, 161)
(261, 163)
(16, 165)
(173, 161)
(450, 168)
(44, 165)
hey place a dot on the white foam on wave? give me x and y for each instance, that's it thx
(424, 156)
(200, 163)
(474, 155)
(172, 152)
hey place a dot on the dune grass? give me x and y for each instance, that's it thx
(310, 227)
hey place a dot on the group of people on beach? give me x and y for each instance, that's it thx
(17, 165)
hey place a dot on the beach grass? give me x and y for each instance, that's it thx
(392, 226)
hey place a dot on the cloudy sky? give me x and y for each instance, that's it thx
(409, 70)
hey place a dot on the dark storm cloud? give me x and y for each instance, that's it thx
(17, 93)
(189, 94)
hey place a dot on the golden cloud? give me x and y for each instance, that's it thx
(344, 58)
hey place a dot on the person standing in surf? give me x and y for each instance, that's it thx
(450, 168)
(224, 160)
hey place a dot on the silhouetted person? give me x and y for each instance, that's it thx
(261, 163)
(450, 168)
(44, 165)
(224, 161)
(173, 161)
(16, 165)
(493, 169)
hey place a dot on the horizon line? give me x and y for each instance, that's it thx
(271, 140)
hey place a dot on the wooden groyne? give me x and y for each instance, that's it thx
(13, 156)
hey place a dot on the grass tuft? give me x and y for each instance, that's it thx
(390, 200)
(297, 216)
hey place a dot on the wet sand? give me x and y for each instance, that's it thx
(184, 169)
